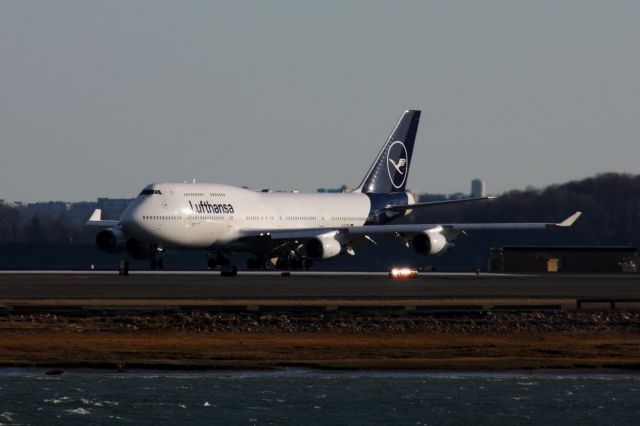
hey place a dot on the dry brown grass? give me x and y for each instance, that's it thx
(322, 349)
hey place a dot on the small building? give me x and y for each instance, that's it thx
(572, 259)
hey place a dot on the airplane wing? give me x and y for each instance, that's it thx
(96, 220)
(411, 228)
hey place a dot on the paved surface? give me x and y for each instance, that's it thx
(50, 285)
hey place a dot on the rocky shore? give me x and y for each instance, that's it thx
(488, 322)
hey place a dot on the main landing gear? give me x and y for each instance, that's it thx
(261, 262)
(226, 268)
(293, 262)
(280, 263)
(156, 261)
(257, 262)
(218, 260)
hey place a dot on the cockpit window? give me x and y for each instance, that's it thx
(150, 192)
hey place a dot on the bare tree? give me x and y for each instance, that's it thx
(10, 223)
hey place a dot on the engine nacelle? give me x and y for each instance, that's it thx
(138, 249)
(111, 240)
(410, 200)
(430, 242)
(322, 247)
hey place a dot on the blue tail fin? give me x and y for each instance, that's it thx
(390, 170)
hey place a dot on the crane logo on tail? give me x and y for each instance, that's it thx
(397, 163)
(397, 166)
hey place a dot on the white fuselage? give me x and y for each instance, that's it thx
(176, 215)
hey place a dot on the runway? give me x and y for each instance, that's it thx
(308, 286)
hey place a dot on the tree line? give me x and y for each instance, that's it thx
(610, 204)
(19, 225)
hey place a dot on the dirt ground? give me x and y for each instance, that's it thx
(263, 350)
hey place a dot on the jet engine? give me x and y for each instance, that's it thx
(430, 242)
(138, 249)
(322, 247)
(111, 240)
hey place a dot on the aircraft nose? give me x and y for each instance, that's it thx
(126, 219)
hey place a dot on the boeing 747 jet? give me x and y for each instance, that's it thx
(287, 229)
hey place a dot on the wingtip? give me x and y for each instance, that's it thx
(95, 216)
(570, 220)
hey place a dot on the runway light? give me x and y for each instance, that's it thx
(402, 273)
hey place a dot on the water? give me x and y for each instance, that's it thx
(318, 397)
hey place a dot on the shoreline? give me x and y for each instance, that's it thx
(59, 370)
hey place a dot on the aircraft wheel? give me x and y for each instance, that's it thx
(306, 263)
(295, 263)
(263, 263)
(254, 263)
(228, 271)
(282, 263)
(157, 260)
(124, 267)
(266, 264)
(211, 263)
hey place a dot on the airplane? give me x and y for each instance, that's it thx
(287, 230)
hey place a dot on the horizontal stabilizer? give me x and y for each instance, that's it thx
(434, 203)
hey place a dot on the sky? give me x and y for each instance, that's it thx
(98, 99)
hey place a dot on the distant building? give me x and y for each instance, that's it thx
(113, 203)
(576, 259)
(80, 211)
(113, 207)
(48, 208)
(478, 188)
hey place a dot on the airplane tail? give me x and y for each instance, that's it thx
(390, 170)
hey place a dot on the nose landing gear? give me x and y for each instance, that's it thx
(124, 267)
(257, 262)
(157, 260)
